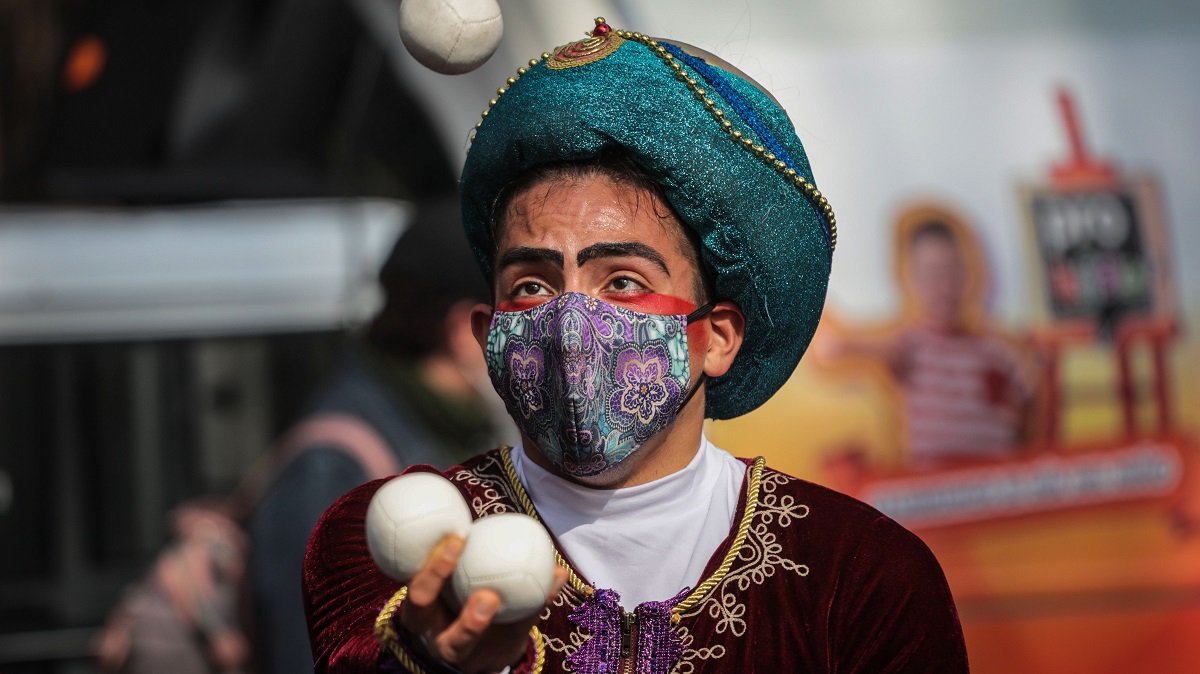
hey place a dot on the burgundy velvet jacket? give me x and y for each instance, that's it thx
(820, 583)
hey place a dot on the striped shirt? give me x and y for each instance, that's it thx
(963, 394)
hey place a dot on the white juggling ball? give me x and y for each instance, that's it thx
(513, 555)
(451, 36)
(408, 516)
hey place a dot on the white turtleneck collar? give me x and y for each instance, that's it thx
(646, 542)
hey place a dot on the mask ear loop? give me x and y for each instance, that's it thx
(699, 382)
(699, 313)
(691, 318)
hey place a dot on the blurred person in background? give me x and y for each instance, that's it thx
(183, 616)
(416, 381)
(968, 391)
(103, 102)
(412, 389)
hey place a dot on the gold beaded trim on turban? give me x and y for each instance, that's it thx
(604, 41)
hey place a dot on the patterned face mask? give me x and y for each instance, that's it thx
(587, 381)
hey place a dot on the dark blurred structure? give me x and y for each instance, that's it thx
(100, 440)
(133, 104)
(117, 100)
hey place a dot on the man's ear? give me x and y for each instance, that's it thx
(728, 328)
(481, 324)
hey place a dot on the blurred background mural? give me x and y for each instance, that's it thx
(197, 196)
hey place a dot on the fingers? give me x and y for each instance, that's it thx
(424, 587)
(457, 639)
(422, 613)
(457, 642)
(472, 642)
(560, 581)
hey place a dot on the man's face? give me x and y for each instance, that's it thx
(590, 235)
(620, 244)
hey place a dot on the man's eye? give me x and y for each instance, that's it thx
(623, 284)
(530, 289)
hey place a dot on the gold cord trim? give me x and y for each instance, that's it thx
(695, 596)
(539, 651)
(735, 549)
(510, 471)
(385, 632)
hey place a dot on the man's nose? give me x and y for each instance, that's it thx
(574, 282)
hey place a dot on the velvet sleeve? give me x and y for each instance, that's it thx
(891, 609)
(343, 588)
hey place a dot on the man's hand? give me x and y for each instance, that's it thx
(468, 641)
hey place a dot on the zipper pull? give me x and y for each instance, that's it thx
(627, 620)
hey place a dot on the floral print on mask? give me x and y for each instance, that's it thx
(586, 381)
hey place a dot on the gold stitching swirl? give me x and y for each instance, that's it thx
(583, 52)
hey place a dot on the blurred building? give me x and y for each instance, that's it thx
(197, 196)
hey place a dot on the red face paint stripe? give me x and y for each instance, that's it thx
(521, 304)
(647, 303)
(654, 303)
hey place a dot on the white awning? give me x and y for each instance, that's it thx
(238, 268)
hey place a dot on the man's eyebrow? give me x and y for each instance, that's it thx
(527, 254)
(621, 249)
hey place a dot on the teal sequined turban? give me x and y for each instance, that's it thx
(728, 161)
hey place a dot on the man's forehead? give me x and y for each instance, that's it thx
(646, 219)
(590, 206)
